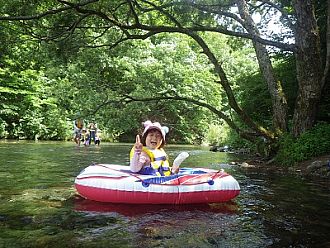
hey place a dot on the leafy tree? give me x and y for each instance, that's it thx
(25, 93)
(105, 90)
(108, 24)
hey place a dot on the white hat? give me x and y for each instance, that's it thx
(148, 125)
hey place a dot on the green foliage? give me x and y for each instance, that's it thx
(2, 128)
(216, 135)
(57, 127)
(150, 69)
(31, 125)
(44, 85)
(235, 141)
(27, 103)
(222, 135)
(238, 56)
(253, 91)
(85, 79)
(310, 144)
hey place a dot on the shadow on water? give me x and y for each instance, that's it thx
(131, 210)
(39, 206)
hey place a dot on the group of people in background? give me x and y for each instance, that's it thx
(86, 135)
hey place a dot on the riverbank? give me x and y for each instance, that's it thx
(315, 167)
(318, 167)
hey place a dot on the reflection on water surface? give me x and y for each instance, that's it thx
(39, 206)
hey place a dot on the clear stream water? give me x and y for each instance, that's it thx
(39, 206)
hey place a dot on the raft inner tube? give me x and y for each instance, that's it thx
(117, 184)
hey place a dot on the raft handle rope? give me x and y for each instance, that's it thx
(145, 184)
(211, 181)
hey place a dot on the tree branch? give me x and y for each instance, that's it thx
(155, 29)
(47, 13)
(282, 11)
(282, 46)
(160, 9)
(245, 134)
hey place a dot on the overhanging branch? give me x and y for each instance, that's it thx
(47, 13)
(245, 134)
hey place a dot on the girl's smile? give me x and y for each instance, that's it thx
(154, 139)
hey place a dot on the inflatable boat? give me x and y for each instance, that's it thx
(117, 184)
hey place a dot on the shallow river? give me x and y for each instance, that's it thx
(39, 206)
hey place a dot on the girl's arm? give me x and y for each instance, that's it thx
(138, 161)
(139, 158)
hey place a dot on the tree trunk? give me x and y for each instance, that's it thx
(279, 102)
(309, 67)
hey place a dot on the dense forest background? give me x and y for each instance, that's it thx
(240, 73)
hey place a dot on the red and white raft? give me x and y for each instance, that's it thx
(117, 184)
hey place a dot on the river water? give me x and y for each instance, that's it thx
(39, 206)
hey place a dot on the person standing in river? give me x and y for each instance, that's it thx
(92, 128)
(78, 125)
(98, 137)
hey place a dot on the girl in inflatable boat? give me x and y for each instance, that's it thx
(148, 156)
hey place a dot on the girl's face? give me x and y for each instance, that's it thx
(154, 139)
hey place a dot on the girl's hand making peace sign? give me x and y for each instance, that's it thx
(138, 145)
